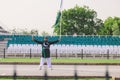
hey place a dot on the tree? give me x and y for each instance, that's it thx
(44, 33)
(24, 31)
(79, 20)
(111, 26)
(116, 26)
(34, 31)
(13, 31)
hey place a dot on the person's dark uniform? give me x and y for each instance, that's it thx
(45, 47)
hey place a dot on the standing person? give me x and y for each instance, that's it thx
(45, 51)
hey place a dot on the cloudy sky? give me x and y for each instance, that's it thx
(41, 14)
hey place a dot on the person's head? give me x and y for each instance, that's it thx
(45, 39)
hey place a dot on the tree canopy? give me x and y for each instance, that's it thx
(111, 26)
(79, 20)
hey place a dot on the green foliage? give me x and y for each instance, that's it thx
(24, 31)
(34, 31)
(111, 26)
(44, 33)
(79, 20)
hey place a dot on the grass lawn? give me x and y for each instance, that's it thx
(62, 60)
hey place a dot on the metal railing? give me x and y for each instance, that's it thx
(75, 75)
(81, 54)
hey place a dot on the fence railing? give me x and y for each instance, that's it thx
(75, 75)
(81, 54)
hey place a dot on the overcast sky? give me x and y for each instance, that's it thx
(41, 14)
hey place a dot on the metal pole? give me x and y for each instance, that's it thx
(75, 74)
(30, 53)
(107, 74)
(15, 74)
(82, 54)
(45, 74)
(4, 54)
(56, 54)
(108, 54)
(61, 17)
(60, 24)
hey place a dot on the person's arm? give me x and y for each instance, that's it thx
(39, 42)
(53, 42)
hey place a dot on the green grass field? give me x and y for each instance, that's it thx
(61, 60)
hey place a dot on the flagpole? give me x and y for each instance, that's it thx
(60, 24)
(61, 18)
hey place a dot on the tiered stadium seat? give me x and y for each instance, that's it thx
(68, 44)
(67, 40)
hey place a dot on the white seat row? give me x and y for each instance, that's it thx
(25, 48)
(87, 49)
